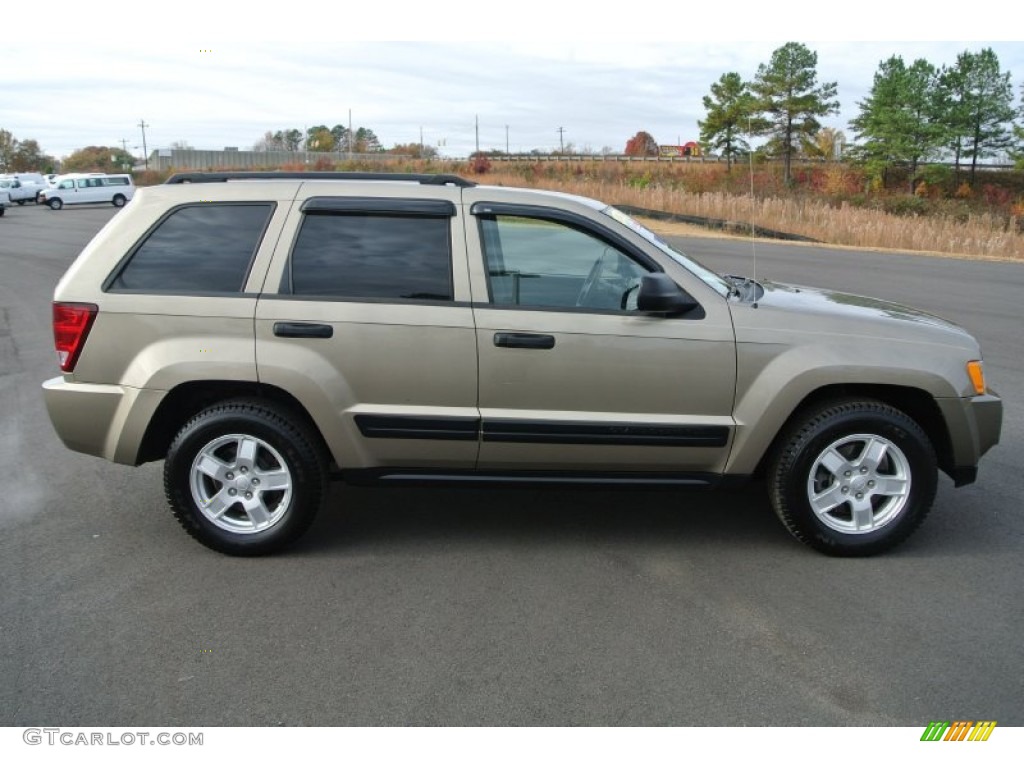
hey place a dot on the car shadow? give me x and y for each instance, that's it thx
(414, 518)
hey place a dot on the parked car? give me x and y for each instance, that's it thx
(5, 200)
(19, 191)
(78, 188)
(261, 333)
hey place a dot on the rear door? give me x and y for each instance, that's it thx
(366, 319)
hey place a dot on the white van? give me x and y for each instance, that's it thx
(74, 188)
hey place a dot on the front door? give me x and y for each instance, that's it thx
(572, 376)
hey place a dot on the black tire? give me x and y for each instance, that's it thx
(871, 461)
(2, 210)
(21, 202)
(55, 203)
(280, 445)
(119, 201)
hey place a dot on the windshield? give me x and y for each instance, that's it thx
(705, 274)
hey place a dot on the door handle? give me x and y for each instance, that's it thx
(303, 330)
(524, 340)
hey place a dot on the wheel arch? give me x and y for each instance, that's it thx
(186, 400)
(918, 404)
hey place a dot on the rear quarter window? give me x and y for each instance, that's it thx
(202, 248)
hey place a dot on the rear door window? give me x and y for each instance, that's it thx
(373, 255)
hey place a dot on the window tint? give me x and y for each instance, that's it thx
(539, 263)
(373, 256)
(200, 248)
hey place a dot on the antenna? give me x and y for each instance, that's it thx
(753, 242)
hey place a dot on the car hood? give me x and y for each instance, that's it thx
(848, 313)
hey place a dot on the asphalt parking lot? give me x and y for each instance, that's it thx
(518, 607)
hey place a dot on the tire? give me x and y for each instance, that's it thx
(242, 513)
(853, 477)
(55, 203)
(119, 201)
(20, 202)
(2, 209)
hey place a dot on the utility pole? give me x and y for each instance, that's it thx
(506, 140)
(145, 152)
(477, 123)
(561, 140)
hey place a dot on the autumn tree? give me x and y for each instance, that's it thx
(419, 151)
(340, 135)
(320, 139)
(17, 156)
(789, 100)
(642, 145)
(366, 141)
(8, 145)
(826, 144)
(103, 159)
(978, 102)
(901, 119)
(729, 107)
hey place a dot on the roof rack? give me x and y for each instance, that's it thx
(205, 177)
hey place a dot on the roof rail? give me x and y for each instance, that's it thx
(423, 178)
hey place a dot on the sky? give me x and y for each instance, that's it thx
(212, 78)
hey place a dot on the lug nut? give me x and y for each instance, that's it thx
(232, 492)
(846, 489)
(847, 473)
(230, 475)
(871, 483)
(860, 495)
(243, 470)
(255, 481)
(248, 494)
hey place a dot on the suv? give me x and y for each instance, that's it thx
(265, 332)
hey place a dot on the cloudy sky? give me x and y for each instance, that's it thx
(196, 75)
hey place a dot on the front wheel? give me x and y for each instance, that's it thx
(119, 201)
(244, 479)
(56, 203)
(854, 477)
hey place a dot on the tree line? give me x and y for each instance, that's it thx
(17, 156)
(914, 113)
(320, 138)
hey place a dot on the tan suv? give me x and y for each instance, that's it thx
(265, 332)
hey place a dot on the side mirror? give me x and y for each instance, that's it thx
(660, 295)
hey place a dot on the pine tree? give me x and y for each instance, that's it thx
(729, 106)
(900, 119)
(788, 94)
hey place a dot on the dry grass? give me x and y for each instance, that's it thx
(981, 235)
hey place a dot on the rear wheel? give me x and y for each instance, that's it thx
(119, 201)
(244, 479)
(21, 202)
(56, 203)
(853, 478)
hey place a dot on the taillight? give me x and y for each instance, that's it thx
(71, 324)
